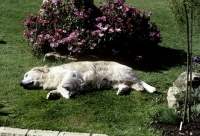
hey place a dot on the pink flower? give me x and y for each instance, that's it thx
(126, 8)
(96, 32)
(70, 48)
(103, 18)
(99, 25)
(55, 44)
(66, 39)
(43, 21)
(112, 6)
(150, 13)
(119, 20)
(94, 44)
(27, 23)
(122, 1)
(42, 12)
(111, 30)
(144, 11)
(98, 19)
(152, 34)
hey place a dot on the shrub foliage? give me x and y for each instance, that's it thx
(113, 28)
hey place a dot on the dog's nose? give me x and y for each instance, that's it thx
(21, 84)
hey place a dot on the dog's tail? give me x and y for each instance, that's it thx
(149, 88)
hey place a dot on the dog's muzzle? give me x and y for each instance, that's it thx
(26, 85)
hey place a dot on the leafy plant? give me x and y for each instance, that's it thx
(196, 64)
(112, 28)
(195, 102)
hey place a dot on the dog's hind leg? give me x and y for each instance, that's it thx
(137, 87)
(149, 88)
(122, 88)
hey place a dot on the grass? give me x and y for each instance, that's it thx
(97, 112)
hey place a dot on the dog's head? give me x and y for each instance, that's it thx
(34, 78)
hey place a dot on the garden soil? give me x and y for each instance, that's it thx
(189, 129)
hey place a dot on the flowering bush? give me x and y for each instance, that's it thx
(112, 28)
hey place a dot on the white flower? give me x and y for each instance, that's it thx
(118, 30)
(100, 34)
(104, 28)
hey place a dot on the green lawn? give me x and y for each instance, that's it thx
(97, 112)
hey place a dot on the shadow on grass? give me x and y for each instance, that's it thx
(2, 113)
(2, 42)
(157, 59)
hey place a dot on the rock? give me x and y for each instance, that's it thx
(53, 56)
(179, 85)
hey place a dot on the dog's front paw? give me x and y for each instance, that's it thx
(53, 95)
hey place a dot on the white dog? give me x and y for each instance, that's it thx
(72, 78)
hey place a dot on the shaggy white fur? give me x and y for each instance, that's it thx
(68, 79)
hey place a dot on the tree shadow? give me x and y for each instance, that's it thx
(2, 42)
(2, 113)
(153, 59)
(160, 58)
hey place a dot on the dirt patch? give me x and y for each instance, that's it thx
(189, 129)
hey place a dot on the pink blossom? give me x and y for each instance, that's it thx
(98, 19)
(150, 13)
(96, 32)
(111, 30)
(32, 17)
(42, 12)
(43, 21)
(66, 39)
(122, 1)
(70, 47)
(55, 44)
(27, 23)
(107, 25)
(112, 6)
(30, 39)
(144, 11)
(74, 50)
(119, 20)
(74, 34)
(81, 15)
(55, 13)
(152, 34)
(47, 36)
(79, 43)
(99, 25)
(103, 18)
(126, 8)
(94, 44)
(55, 20)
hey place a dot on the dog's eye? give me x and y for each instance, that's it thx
(26, 75)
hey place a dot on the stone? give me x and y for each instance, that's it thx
(53, 56)
(42, 133)
(7, 131)
(179, 85)
(99, 135)
(73, 134)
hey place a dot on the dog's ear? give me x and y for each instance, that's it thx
(44, 69)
